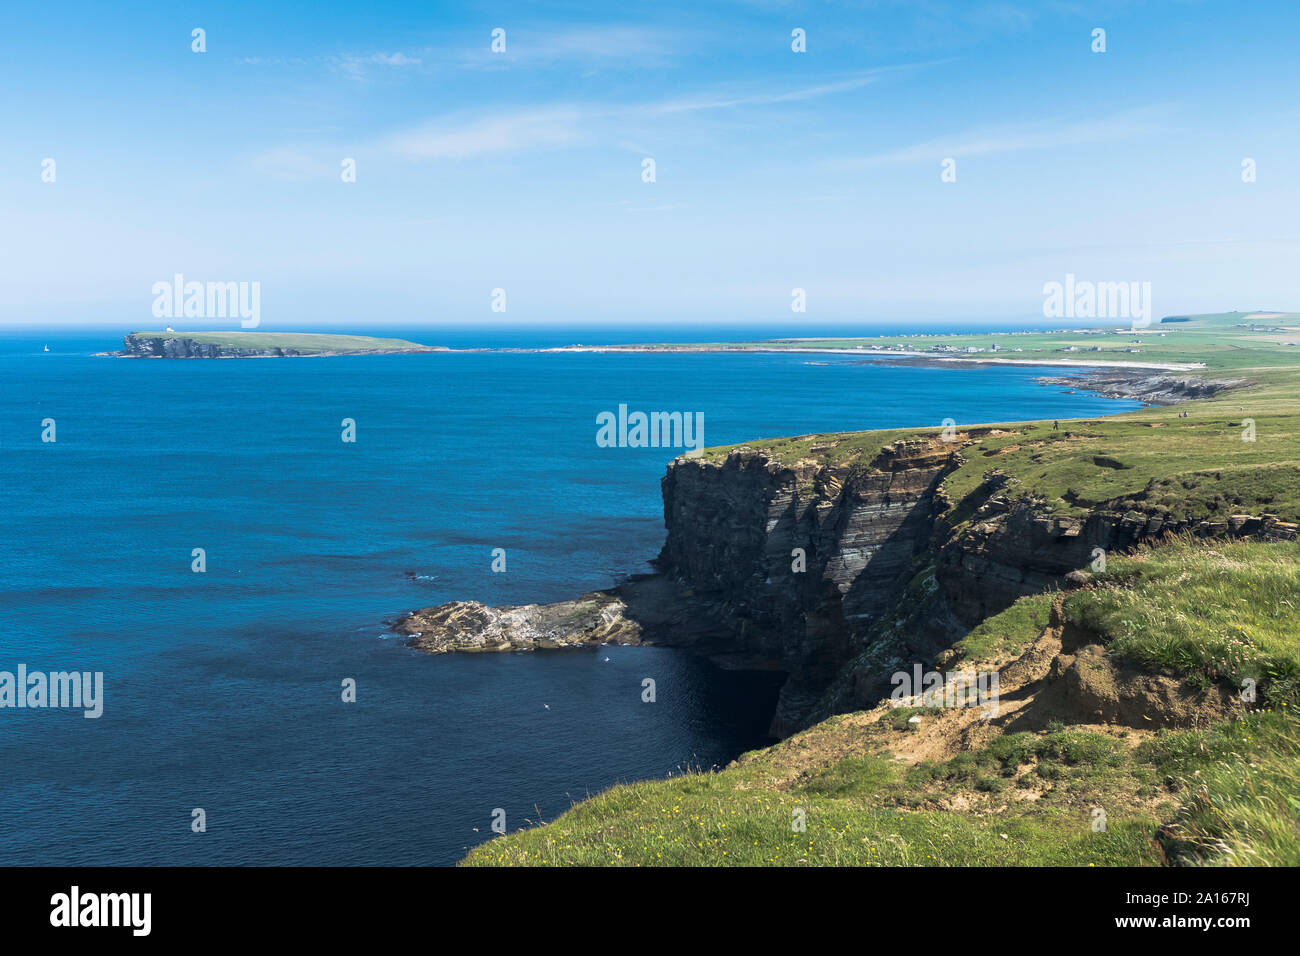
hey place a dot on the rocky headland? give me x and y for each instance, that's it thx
(210, 345)
(836, 572)
(1145, 386)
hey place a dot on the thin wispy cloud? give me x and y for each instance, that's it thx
(359, 65)
(354, 64)
(1047, 134)
(584, 47)
(463, 136)
(722, 100)
(661, 207)
(847, 138)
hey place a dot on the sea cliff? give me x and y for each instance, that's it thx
(837, 559)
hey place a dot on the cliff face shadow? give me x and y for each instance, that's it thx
(672, 614)
(862, 548)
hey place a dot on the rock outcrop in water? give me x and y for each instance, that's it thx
(1143, 385)
(646, 608)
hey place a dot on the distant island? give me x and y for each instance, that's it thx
(215, 345)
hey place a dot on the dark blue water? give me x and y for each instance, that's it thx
(222, 689)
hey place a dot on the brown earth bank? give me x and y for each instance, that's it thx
(1063, 675)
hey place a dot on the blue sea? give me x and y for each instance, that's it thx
(223, 689)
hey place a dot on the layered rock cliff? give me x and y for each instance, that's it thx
(1014, 547)
(175, 347)
(799, 559)
(766, 564)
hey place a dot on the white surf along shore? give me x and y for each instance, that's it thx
(887, 353)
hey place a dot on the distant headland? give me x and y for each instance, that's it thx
(210, 345)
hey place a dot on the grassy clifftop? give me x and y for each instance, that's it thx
(305, 343)
(1201, 465)
(1197, 468)
(1123, 738)
(912, 785)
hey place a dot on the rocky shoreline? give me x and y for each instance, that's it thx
(934, 359)
(1144, 386)
(650, 609)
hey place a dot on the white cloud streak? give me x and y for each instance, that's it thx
(463, 136)
(1051, 134)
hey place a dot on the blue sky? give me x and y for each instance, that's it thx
(522, 170)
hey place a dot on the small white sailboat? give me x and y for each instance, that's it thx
(47, 348)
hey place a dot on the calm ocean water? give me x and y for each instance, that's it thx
(222, 689)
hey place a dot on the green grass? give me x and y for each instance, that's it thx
(706, 820)
(1088, 768)
(838, 449)
(1003, 636)
(900, 717)
(1222, 610)
(1195, 468)
(870, 810)
(1224, 796)
(1242, 792)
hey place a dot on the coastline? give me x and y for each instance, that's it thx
(924, 357)
(1155, 389)
(648, 609)
(635, 610)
